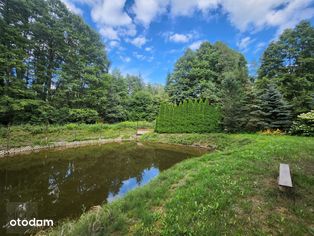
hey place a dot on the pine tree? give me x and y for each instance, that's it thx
(274, 110)
(255, 114)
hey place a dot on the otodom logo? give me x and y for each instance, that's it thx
(22, 217)
(32, 222)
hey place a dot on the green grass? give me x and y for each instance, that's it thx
(30, 135)
(232, 191)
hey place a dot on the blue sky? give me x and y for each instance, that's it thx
(147, 36)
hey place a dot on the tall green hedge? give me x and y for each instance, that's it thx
(191, 116)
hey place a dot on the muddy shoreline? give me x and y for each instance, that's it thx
(59, 145)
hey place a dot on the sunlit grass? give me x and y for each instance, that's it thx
(30, 135)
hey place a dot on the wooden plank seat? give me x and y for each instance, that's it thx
(284, 179)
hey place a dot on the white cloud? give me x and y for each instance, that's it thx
(244, 43)
(139, 56)
(114, 44)
(187, 8)
(130, 30)
(112, 17)
(109, 32)
(143, 57)
(291, 15)
(148, 49)
(259, 46)
(125, 59)
(196, 44)
(139, 41)
(180, 38)
(147, 10)
(262, 13)
(111, 13)
(243, 14)
(72, 7)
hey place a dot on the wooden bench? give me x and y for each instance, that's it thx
(284, 179)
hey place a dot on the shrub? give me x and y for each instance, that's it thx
(88, 116)
(304, 125)
(272, 132)
(71, 126)
(191, 116)
(98, 127)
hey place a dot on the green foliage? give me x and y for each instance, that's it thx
(276, 113)
(24, 110)
(88, 116)
(143, 105)
(30, 135)
(52, 62)
(268, 110)
(289, 63)
(190, 116)
(304, 125)
(199, 74)
(233, 103)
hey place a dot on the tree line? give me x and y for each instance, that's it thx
(282, 89)
(54, 68)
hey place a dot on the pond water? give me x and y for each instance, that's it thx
(64, 183)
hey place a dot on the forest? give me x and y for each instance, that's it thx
(54, 69)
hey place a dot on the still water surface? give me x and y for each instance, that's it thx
(64, 183)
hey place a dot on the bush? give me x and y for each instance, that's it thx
(188, 117)
(272, 132)
(88, 116)
(98, 127)
(304, 125)
(19, 111)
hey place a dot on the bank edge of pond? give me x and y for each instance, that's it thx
(148, 137)
(60, 145)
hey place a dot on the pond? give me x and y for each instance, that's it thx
(64, 183)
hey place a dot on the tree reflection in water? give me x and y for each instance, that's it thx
(64, 181)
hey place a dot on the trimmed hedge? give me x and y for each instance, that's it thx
(191, 116)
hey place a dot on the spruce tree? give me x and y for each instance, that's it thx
(254, 112)
(275, 112)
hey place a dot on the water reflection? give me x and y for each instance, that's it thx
(132, 183)
(63, 183)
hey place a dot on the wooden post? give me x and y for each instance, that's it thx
(8, 137)
(46, 131)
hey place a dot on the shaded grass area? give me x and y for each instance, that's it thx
(229, 192)
(31, 135)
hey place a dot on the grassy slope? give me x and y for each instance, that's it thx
(231, 191)
(30, 135)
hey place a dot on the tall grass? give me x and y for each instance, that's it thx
(29, 135)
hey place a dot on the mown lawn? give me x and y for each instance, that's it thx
(232, 191)
(31, 135)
